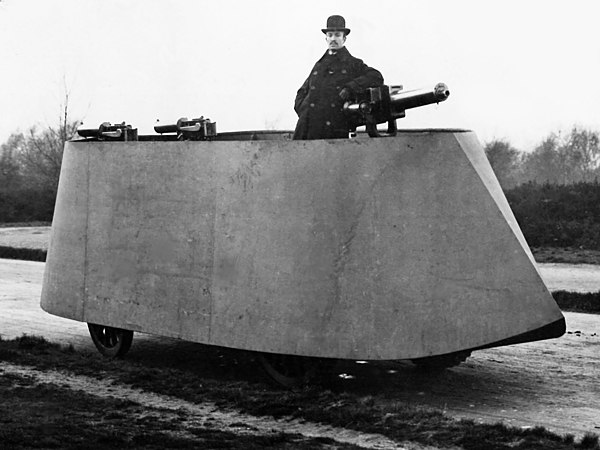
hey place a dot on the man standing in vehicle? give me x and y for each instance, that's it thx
(336, 78)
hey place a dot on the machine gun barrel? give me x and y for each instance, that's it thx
(108, 132)
(194, 129)
(403, 100)
(387, 103)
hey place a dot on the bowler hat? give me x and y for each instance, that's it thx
(336, 23)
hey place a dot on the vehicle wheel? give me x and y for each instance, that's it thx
(442, 362)
(111, 342)
(286, 370)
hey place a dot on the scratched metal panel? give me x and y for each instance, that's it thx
(369, 248)
(375, 249)
(64, 272)
(150, 239)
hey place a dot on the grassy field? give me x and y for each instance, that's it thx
(25, 237)
(48, 415)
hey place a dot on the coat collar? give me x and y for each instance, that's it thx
(342, 54)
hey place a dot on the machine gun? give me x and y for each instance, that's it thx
(387, 103)
(200, 129)
(108, 132)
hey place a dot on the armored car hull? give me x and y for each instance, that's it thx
(376, 249)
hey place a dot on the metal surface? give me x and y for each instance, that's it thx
(199, 129)
(108, 132)
(386, 104)
(391, 248)
(403, 100)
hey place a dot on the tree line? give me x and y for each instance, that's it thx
(554, 191)
(558, 215)
(29, 171)
(568, 158)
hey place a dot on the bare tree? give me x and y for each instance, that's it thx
(41, 155)
(564, 160)
(581, 151)
(10, 166)
(29, 170)
(505, 160)
(543, 165)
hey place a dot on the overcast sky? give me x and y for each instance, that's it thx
(516, 69)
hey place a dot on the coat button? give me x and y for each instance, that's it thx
(333, 105)
(312, 105)
(328, 123)
(312, 88)
(315, 72)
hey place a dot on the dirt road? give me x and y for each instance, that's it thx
(551, 383)
(571, 277)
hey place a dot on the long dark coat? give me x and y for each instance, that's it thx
(318, 104)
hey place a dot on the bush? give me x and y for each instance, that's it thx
(588, 302)
(553, 215)
(27, 254)
(27, 204)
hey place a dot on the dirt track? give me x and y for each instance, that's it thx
(550, 383)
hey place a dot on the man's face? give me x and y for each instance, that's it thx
(335, 39)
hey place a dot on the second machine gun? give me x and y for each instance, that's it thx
(387, 103)
(200, 129)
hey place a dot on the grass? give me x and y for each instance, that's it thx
(24, 224)
(24, 241)
(567, 255)
(587, 302)
(26, 254)
(51, 416)
(228, 378)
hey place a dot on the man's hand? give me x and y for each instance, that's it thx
(345, 94)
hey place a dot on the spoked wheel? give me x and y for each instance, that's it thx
(110, 342)
(441, 362)
(287, 370)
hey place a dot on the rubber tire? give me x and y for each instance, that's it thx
(286, 370)
(111, 342)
